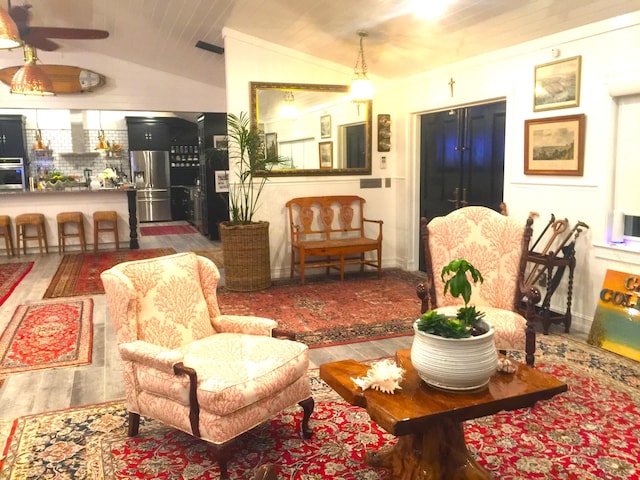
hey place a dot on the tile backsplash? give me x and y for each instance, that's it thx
(60, 156)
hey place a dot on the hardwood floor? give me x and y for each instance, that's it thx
(53, 389)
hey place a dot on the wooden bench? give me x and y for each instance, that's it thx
(329, 232)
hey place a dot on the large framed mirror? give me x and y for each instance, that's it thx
(316, 129)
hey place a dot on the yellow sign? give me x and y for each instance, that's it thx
(616, 324)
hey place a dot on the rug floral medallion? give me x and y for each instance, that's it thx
(326, 311)
(47, 334)
(589, 432)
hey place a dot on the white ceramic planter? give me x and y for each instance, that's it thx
(454, 363)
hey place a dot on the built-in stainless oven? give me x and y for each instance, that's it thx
(12, 175)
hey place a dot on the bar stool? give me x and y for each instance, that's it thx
(5, 226)
(105, 216)
(76, 218)
(36, 220)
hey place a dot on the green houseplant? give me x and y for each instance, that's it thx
(245, 241)
(465, 323)
(455, 351)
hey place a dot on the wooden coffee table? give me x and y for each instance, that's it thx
(429, 421)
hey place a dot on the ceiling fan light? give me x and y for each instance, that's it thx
(9, 34)
(31, 80)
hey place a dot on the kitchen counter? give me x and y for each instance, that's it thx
(51, 202)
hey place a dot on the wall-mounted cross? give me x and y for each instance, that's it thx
(451, 82)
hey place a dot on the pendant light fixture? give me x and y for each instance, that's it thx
(289, 109)
(361, 86)
(9, 34)
(102, 144)
(31, 79)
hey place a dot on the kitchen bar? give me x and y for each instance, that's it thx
(51, 202)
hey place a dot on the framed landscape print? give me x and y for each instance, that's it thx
(325, 126)
(271, 145)
(325, 150)
(554, 146)
(557, 84)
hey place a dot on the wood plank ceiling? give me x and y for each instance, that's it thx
(161, 34)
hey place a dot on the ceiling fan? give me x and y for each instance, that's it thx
(39, 37)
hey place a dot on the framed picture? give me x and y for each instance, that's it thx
(554, 146)
(271, 144)
(325, 150)
(384, 132)
(221, 179)
(325, 126)
(557, 84)
(220, 142)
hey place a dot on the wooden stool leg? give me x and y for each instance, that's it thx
(60, 237)
(83, 241)
(95, 236)
(43, 232)
(115, 232)
(39, 233)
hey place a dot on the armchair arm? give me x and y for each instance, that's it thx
(244, 324)
(151, 355)
(379, 222)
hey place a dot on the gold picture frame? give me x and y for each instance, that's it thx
(554, 146)
(384, 132)
(325, 152)
(557, 84)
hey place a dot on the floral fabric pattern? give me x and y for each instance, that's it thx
(166, 313)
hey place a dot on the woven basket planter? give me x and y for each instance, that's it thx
(245, 250)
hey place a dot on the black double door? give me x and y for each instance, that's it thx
(461, 159)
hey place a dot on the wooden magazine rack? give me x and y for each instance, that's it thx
(551, 262)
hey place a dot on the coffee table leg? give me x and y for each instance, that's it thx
(437, 453)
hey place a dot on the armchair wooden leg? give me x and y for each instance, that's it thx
(221, 455)
(530, 345)
(134, 424)
(307, 406)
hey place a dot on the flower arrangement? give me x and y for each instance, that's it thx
(108, 175)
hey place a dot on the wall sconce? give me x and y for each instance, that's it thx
(361, 86)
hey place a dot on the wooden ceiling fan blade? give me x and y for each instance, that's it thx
(70, 33)
(35, 39)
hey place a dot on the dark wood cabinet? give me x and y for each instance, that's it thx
(12, 136)
(148, 133)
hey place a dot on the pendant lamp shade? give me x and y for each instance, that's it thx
(361, 86)
(9, 34)
(31, 79)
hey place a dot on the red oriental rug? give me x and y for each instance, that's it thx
(326, 311)
(589, 432)
(10, 276)
(167, 230)
(49, 334)
(79, 273)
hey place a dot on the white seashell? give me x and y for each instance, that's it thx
(505, 366)
(384, 376)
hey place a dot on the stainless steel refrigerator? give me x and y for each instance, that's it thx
(150, 173)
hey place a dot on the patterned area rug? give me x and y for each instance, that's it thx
(589, 433)
(167, 230)
(10, 276)
(79, 274)
(47, 334)
(214, 254)
(326, 311)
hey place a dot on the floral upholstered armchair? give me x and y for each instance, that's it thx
(496, 245)
(185, 364)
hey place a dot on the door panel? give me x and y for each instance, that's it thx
(461, 159)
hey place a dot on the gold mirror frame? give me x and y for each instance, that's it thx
(255, 87)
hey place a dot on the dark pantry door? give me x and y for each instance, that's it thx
(461, 159)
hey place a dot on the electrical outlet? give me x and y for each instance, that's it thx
(383, 162)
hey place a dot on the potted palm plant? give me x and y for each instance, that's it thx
(454, 349)
(245, 241)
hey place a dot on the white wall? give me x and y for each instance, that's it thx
(129, 86)
(609, 50)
